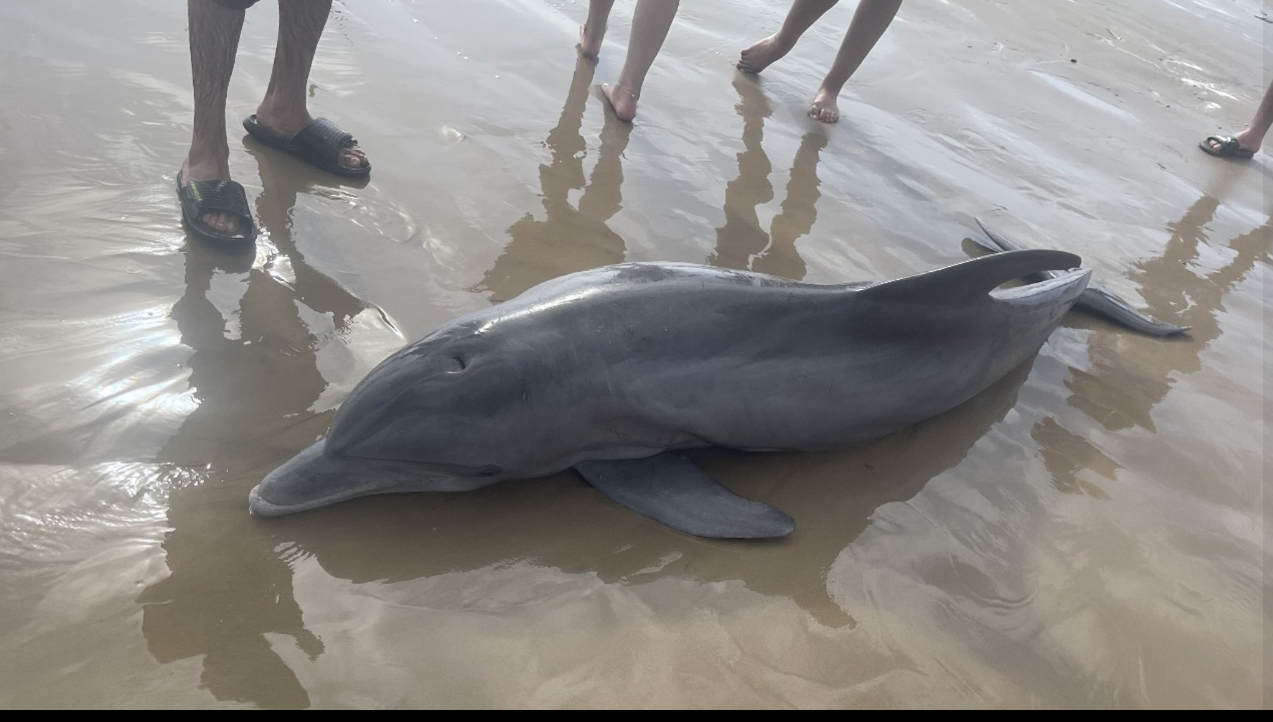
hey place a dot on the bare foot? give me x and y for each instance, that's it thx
(824, 108)
(287, 123)
(761, 54)
(623, 101)
(226, 224)
(590, 41)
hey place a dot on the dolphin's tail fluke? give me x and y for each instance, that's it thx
(1102, 302)
(1095, 298)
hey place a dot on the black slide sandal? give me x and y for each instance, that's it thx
(318, 144)
(226, 196)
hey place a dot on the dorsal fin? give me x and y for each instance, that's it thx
(970, 280)
(1095, 298)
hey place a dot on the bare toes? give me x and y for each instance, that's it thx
(221, 223)
(824, 115)
(353, 157)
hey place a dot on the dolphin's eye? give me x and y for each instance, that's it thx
(457, 364)
(491, 470)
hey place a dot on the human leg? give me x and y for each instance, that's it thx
(593, 31)
(283, 111)
(1252, 136)
(650, 23)
(802, 15)
(1249, 138)
(214, 38)
(870, 20)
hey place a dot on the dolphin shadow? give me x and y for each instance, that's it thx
(255, 376)
(570, 238)
(741, 243)
(561, 522)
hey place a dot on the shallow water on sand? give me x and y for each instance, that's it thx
(1087, 533)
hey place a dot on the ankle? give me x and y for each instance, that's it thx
(1248, 139)
(783, 42)
(279, 114)
(206, 165)
(829, 90)
(626, 90)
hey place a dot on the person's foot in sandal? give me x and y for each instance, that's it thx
(279, 125)
(1243, 144)
(212, 205)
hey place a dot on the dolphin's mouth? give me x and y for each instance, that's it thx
(261, 506)
(313, 479)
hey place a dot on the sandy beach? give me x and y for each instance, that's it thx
(1088, 533)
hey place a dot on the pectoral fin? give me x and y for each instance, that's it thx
(672, 490)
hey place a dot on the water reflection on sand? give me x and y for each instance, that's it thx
(1085, 533)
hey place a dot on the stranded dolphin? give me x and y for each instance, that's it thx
(612, 370)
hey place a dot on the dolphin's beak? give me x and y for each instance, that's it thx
(297, 485)
(313, 478)
(259, 506)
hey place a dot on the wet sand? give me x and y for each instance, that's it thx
(1087, 533)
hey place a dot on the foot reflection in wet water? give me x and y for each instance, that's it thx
(570, 238)
(1081, 566)
(1172, 286)
(256, 330)
(741, 243)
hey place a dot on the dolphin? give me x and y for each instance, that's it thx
(611, 371)
(1095, 298)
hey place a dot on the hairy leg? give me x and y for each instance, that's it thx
(593, 31)
(870, 20)
(284, 110)
(214, 38)
(650, 23)
(802, 15)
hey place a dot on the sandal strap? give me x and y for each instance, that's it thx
(1227, 142)
(323, 139)
(219, 195)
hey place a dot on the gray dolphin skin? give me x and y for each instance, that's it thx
(611, 371)
(1094, 298)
